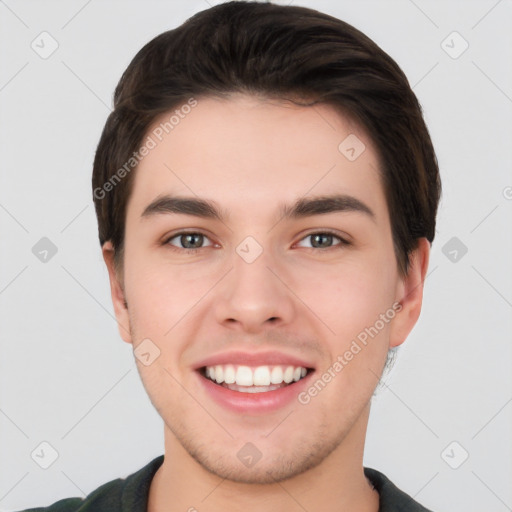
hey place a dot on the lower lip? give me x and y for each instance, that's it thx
(256, 403)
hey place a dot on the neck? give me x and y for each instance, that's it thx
(336, 484)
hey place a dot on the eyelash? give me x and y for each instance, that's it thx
(342, 241)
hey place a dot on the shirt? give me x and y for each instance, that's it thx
(131, 494)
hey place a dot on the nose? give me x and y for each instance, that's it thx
(254, 295)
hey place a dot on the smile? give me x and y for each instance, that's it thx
(260, 379)
(254, 390)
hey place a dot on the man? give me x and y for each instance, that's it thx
(266, 192)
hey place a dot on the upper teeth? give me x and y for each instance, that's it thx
(258, 376)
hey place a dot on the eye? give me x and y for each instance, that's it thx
(188, 241)
(191, 241)
(324, 240)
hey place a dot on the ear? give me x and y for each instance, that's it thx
(117, 293)
(410, 294)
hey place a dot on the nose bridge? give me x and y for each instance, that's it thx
(252, 294)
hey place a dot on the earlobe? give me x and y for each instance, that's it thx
(117, 293)
(410, 294)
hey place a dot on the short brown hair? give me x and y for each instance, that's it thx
(286, 52)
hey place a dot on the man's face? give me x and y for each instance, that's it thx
(295, 290)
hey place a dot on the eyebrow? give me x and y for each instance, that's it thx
(303, 207)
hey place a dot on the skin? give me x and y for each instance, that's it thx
(249, 155)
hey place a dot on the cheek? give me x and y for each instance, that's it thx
(357, 306)
(159, 294)
(348, 298)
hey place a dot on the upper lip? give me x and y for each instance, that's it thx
(268, 358)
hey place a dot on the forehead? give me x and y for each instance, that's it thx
(250, 154)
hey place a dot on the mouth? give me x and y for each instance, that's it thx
(253, 383)
(254, 379)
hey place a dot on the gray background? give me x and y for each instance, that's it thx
(67, 378)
